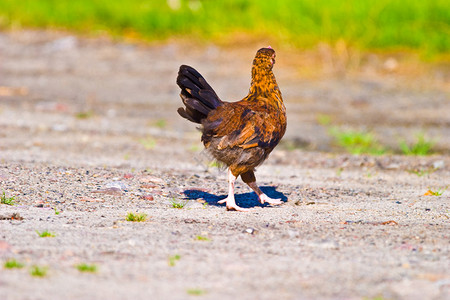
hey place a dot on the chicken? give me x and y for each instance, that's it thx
(238, 134)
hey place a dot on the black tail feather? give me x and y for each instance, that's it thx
(197, 95)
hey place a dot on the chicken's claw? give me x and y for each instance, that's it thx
(231, 204)
(263, 198)
(237, 208)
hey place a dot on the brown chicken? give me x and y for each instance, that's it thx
(239, 134)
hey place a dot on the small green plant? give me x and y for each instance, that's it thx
(84, 115)
(148, 143)
(214, 164)
(13, 264)
(323, 119)
(177, 203)
(136, 217)
(161, 123)
(196, 292)
(38, 271)
(7, 200)
(202, 238)
(57, 212)
(87, 268)
(357, 142)
(173, 259)
(438, 192)
(422, 146)
(45, 233)
(422, 172)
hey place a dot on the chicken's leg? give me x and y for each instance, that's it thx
(230, 202)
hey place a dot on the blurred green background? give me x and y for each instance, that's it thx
(422, 26)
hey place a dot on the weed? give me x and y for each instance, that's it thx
(136, 217)
(324, 120)
(161, 123)
(422, 146)
(148, 143)
(196, 292)
(202, 238)
(7, 200)
(422, 172)
(45, 233)
(194, 148)
(87, 268)
(214, 164)
(178, 203)
(438, 192)
(84, 115)
(357, 142)
(173, 259)
(13, 264)
(38, 271)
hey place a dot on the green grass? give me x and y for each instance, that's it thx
(87, 268)
(38, 271)
(196, 292)
(136, 217)
(148, 143)
(7, 200)
(13, 264)
(422, 172)
(422, 146)
(437, 192)
(357, 142)
(383, 24)
(82, 115)
(173, 259)
(177, 203)
(45, 233)
(202, 238)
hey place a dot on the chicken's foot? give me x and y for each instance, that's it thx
(229, 200)
(263, 198)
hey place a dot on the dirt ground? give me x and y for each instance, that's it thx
(89, 132)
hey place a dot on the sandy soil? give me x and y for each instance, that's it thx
(89, 132)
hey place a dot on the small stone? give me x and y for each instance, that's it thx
(147, 197)
(250, 231)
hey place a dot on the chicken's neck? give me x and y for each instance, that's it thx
(264, 84)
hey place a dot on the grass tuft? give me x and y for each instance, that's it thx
(437, 192)
(173, 259)
(7, 200)
(13, 264)
(196, 292)
(136, 217)
(178, 203)
(202, 238)
(357, 142)
(148, 143)
(45, 233)
(87, 268)
(83, 115)
(422, 146)
(38, 271)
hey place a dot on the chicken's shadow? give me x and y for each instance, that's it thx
(245, 200)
